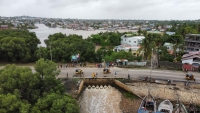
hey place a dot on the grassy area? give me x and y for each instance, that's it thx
(75, 80)
(198, 107)
(129, 95)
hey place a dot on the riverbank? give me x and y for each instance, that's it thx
(186, 94)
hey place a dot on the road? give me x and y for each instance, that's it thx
(134, 73)
(123, 73)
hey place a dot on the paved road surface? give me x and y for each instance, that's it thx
(123, 73)
(134, 73)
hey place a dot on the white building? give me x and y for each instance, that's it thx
(131, 40)
(170, 33)
(170, 47)
(128, 41)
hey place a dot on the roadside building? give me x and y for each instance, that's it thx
(170, 47)
(129, 43)
(156, 32)
(191, 61)
(3, 27)
(122, 61)
(192, 42)
(170, 33)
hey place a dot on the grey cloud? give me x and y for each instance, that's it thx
(119, 9)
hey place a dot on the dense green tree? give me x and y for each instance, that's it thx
(139, 31)
(164, 55)
(47, 72)
(22, 91)
(178, 43)
(9, 103)
(18, 45)
(63, 47)
(121, 55)
(106, 38)
(55, 103)
(22, 80)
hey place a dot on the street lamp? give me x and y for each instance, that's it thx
(151, 64)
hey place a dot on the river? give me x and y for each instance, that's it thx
(43, 32)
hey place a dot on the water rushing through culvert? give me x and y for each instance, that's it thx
(100, 99)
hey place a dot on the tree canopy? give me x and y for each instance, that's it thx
(18, 45)
(22, 91)
(63, 47)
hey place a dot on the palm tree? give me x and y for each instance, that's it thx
(139, 31)
(177, 41)
(146, 46)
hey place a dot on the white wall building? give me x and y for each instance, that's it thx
(129, 42)
(170, 47)
(170, 33)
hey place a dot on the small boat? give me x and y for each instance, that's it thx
(148, 105)
(165, 107)
(180, 108)
(193, 108)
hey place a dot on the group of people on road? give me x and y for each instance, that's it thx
(94, 75)
(70, 65)
(82, 64)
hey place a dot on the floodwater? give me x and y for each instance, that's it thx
(43, 32)
(100, 99)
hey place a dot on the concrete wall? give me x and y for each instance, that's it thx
(80, 87)
(98, 81)
(137, 63)
(125, 87)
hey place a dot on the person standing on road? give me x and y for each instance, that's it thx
(129, 76)
(67, 75)
(96, 74)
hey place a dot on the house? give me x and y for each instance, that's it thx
(170, 33)
(3, 27)
(192, 42)
(129, 42)
(156, 32)
(191, 61)
(169, 47)
(168, 26)
(122, 61)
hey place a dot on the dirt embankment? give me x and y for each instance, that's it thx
(171, 92)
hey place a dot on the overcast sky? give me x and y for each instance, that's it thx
(103, 9)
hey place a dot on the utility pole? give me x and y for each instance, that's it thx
(40, 51)
(151, 64)
(50, 51)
